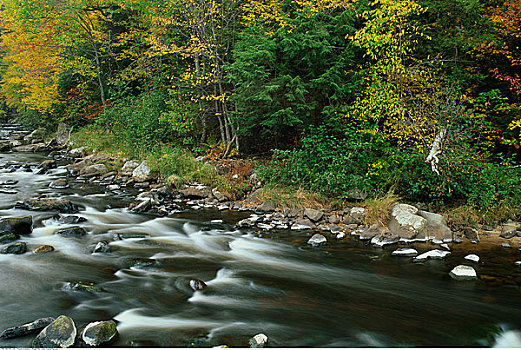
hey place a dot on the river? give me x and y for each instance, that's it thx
(344, 294)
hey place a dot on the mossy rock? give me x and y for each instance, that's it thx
(8, 238)
(48, 204)
(81, 286)
(17, 248)
(22, 225)
(75, 231)
(61, 333)
(97, 333)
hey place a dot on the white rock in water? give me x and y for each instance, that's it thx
(266, 227)
(113, 187)
(518, 263)
(405, 252)
(300, 227)
(341, 235)
(472, 257)
(317, 239)
(222, 207)
(463, 272)
(433, 254)
(445, 246)
(216, 221)
(258, 341)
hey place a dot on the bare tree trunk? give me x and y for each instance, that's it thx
(432, 158)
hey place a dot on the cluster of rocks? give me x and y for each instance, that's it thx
(62, 333)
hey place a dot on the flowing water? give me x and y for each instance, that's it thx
(344, 294)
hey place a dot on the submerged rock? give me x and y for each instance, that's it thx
(101, 332)
(197, 284)
(22, 225)
(405, 252)
(258, 341)
(61, 333)
(48, 204)
(122, 236)
(17, 248)
(462, 272)
(75, 231)
(317, 239)
(43, 249)
(28, 328)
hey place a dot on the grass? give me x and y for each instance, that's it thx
(379, 209)
(293, 198)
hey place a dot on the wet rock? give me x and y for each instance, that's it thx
(142, 173)
(8, 182)
(472, 257)
(317, 239)
(221, 197)
(445, 246)
(196, 192)
(8, 238)
(71, 219)
(405, 252)
(101, 332)
(508, 231)
(36, 134)
(5, 146)
(383, 240)
(17, 248)
(433, 254)
(48, 204)
(142, 207)
(334, 219)
(355, 215)
(28, 328)
(313, 214)
(369, 233)
(265, 227)
(518, 263)
(122, 236)
(61, 333)
(197, 284)
(258, 341)
(141, 262)
(102, 247)
(505, 245)
(341, 235)
(75, 231)
(43, 249)
(471, 234)
(333, 228)
(48, 164)
(405, 223)
(8, 191)
(21, 225)
(266, 207)
(94, 170)
(80, 286)
(463, 272)
(78, 152)
(59, 184)
(35, 147)
(436, 226)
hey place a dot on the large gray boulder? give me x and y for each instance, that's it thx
(61, 333)
(22, 225)
(405, 222)
(436, 227)
(128, 168)
(142, 173)
(97, 333)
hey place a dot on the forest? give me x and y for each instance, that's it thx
(346, 99)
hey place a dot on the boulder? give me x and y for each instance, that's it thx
(17, 248)
(35, 135)
(142, 172)
(471, 234)
(472, 257)
(463, 272)
(128, 168)
(75, 231)
(405, 223)
(313, 214)
(266, 207)
(317, 239)
(302, 224)
(101, 332)
(508, 230)
(436, 226)
(355, 215)
(48, 164)
(258, 341)
(48, 204)
(196, 192)
(405, 252)
(8, 238)
(22, 225)
(94, 170)
(43, 249)
(432, 254)
(197, 284)
(61, 333)
(142, 207)
(28, 328)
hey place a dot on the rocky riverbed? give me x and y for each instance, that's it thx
(96, 252)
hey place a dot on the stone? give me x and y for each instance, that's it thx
(43, 249)
(436, 226)
(472, 257)
(463, 272)
(75, 231)
(355, 215)
(341, 235)
(196, 192)
(78, 152)
(63, 134)
(333, 228)
(265, 227)
(128, 168)
(28, 328)
(59, 184)
(383, 240)
(143, 206)
(8, 238)
(21, 225)
(94, 170)
(405, 252)
(471, 234)
(122, 236)
(48, 164)
(505, 245)
(101, 332)
(508, 231)
(142, 173)
(71, 219)
(258, 341)
(17, 248)
(35, 135)
(221, 197)
(61, 333)
(80, 286)
(405, 223)
(317, 239)
(47, 204)
(445, 246)
(266, 207)
(433, 254)
(518, 263)
(35, 147)
(313, 214)
(197, 284)
(102, 247)
(334, 219)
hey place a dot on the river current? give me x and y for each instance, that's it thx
(344, 294)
